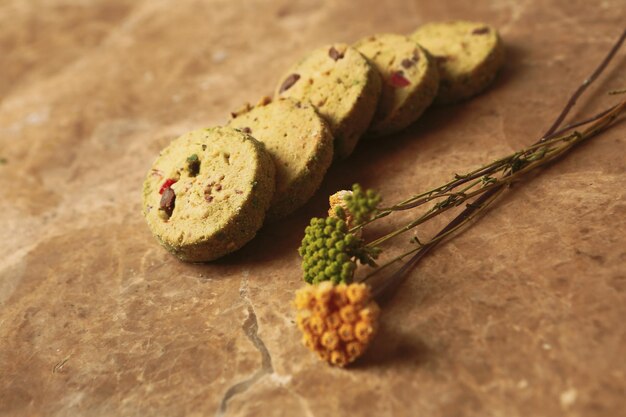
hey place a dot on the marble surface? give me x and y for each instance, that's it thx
(522, 314)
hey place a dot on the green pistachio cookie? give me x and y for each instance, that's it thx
(410, 80)
(207, 193)
(468, 55)
(343, 87)
(300, 143)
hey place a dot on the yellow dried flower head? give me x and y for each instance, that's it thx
(338, 322)
(304, 298)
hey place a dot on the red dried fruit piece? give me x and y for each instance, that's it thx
(167, 184)
(289, 82)
(398, 80)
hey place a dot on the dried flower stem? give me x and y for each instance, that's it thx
(497, 185)
(516, 166)
(498, 165)
(492, 188)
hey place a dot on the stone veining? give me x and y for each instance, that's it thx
(251, 329)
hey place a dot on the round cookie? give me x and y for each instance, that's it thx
(207, 193)
(299, 141)
(410, 80)
(343, 87)
(468, 55)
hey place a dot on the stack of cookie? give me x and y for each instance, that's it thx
(210, 190)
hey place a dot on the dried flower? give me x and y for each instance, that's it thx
(328, 250)
(339, 207)
(356, 206)
(338, 322)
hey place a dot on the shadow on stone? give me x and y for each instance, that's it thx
(391, 347)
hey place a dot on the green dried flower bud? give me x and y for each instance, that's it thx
(340, 212)
(362, 204)
(328, 251)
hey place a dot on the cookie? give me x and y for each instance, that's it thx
(207, 193)
(300, 143)
(468, 56)
(343, 87)
(410, 80)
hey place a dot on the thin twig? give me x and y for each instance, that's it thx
(581, 123)
(581, 89)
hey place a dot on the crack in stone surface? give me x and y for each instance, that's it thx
(250, 327)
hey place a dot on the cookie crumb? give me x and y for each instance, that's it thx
(265, 100)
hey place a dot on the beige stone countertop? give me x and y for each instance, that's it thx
(520, 315)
